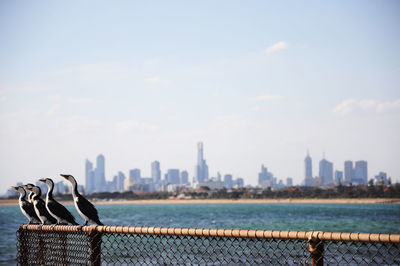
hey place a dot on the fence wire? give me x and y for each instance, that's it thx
(110, 245)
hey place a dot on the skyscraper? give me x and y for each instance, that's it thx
(338, 177)
(348, 172)
(89, 177)
(308, 178)
(155, 172)
(201, 168)
(173, 176)
(135, 174)
(326, 172)
(120, 181)
(265, 178)
(361, 172)
(228, 181)
(184, 178)
(99, 179)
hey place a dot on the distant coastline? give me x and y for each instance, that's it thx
(11, 202)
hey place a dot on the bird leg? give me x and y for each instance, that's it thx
(82, 225)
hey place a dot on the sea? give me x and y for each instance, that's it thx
(364, 218)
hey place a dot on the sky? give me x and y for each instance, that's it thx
(259, 82)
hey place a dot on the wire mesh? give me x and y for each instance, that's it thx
(169, 246)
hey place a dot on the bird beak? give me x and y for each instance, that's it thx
(42, 180)
(14, 188)
(65, 176)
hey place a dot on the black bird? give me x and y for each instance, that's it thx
(85, 209)
(26, 207)
(40, 206)
(58, 211)
(31, 194)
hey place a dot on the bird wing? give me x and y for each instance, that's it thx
(88, 209)
(43, 211)
(28, 208)
(60, 211)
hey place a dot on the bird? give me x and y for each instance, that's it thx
(26, 207)
(58, 211)
(85, 209)
(30, 196)
(40, 206)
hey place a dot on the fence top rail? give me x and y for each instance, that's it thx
(263, 234)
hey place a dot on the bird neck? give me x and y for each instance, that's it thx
(22, 194)
(50, 191)
(75, 188)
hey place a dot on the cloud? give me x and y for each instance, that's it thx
(132, 125)
(80, 100)
(350, 106)
(268, 97)
(156, 81)
(279, 46)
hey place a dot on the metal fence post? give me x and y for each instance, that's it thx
(316, 248)
(95, 246)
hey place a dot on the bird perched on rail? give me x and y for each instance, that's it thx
(58, 211)
(31, 194)
(25, 206)
(85, 209)
(40, 206)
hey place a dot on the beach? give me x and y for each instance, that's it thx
(10, 202)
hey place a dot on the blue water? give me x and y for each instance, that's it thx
(366, 218)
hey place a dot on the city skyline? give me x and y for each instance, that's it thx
(258, 83)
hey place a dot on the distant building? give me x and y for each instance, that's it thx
(265, 178)
(135, 174)
(156, 172)
(173, 176)
(289, 182)
(239, 182)
(184, 178)
(326, 172)
(99, 174)
(119, 182)
(338, 177)
(89, 177)
(361, 173)
(228, 182)
(308, 177)
(211, 184)
(381, 178)
(60, 188)
(348, 172)
(201, 167)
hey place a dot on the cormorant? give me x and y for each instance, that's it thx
(58, 211)
(40, 206)
(85, 209)
(30, 196)
(26, 207)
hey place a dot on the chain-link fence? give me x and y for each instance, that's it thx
(117, 245)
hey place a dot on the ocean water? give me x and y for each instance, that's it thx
(365, 218)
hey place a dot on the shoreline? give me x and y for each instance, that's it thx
(12, 202)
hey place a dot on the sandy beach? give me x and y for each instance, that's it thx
(10, 202)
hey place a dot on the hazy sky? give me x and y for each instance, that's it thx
(259, 82)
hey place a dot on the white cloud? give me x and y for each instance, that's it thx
(132, 125)
(156, 81)
(350, 106)
(80, 100)
(279, 46)
(268, 97)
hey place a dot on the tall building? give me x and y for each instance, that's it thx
(348, 172)
(381, 178)
(239, 182)
(361, 173)
(156, 172)
(135, 174)
(201, 167)
(89, 177)
(325, 172)
(265, 178)
(338, 177)
(99, 174)
(119, 186)
(184, 177)
(173, 176)
(228, 181)
(308, 177)
(289, 182)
